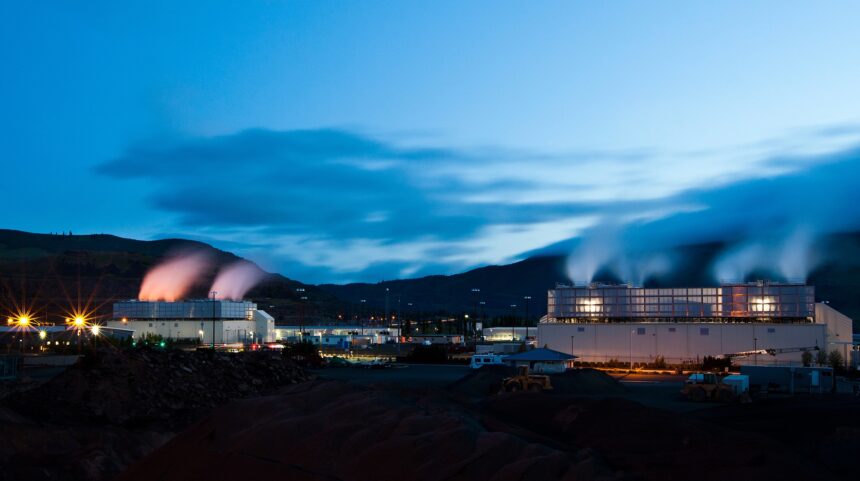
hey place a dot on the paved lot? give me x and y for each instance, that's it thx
(406, 375)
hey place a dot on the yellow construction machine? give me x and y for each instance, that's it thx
(707, 386)
(523, 381)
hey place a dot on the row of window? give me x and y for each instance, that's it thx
(684, 291)
(703, 331)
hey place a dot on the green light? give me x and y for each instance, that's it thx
(161, 344)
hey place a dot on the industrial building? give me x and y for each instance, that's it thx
(337, 335)
(199, 320)
(600, 323)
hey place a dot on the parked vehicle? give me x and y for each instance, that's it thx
(480, 360)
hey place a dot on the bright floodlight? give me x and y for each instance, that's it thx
(24, 320)
(96, 328)
(43, 335)
(79, 321)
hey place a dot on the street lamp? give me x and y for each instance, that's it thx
(483, 316)
(527, 299)
(302, 298)
(475, 293)
(513, 322)
(213, 294)
(631, 349)
(95, 329)
(24, 323)
(361, 318)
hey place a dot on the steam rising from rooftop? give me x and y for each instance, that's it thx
(173, 278)
(236, 279)
(792, 257)
(593, 253)
(604, 248)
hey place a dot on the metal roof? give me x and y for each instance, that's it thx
(541, 354)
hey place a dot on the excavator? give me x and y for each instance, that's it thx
(523, 381)
(705, 386)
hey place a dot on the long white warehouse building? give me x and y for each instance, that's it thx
(600, 323)
(197, 319)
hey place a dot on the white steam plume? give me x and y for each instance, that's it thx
(798, 256)
(236, 279)
(638, 268)
(792, 257)
(173, 278)
(594, 252)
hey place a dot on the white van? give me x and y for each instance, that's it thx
(481, 360)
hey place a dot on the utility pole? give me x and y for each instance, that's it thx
(513, 322)
(399, 324)
(212, 294)
(387, 318)
(475, 293)
(483, 319)
(631, 348)
(302, 298)
(755, 351)
(361, 317)
(527, 299)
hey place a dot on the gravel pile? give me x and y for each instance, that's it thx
(142, 387)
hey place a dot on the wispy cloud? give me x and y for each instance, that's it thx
(336, 204)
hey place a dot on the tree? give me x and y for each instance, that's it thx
(806, 358)
(821, 358)
(835, 360)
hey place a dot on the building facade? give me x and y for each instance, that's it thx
(600, 323)
(228, 322)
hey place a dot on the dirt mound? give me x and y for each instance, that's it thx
(586, 382)
(488, 380)
(328, 430)
(138, 387)
(652, 443)
(481, 382)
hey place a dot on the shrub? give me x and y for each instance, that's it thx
(821, 358)
(836, 361)
(716, 364)
(806, 358)
(428, 354)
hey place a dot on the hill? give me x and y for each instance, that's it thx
(56, 270)
(836, 280)
(56, 273)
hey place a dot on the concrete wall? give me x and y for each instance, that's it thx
(679, 342)
(265, 326)
(840, 330)
(260, 328)
(225, 331)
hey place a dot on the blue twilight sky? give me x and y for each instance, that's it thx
(339, 141)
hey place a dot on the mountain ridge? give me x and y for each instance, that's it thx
(53, 268)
